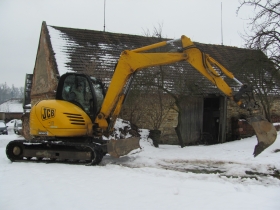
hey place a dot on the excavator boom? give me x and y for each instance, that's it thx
(137, 59)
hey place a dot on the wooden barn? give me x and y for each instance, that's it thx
(207, 114)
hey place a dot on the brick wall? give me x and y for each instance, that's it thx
(139, 114)
(275, 109)
(168, 135)
(167, 127)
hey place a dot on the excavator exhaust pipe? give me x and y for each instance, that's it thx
(121, 147)
(265, 132)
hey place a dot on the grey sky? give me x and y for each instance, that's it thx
(20, 24)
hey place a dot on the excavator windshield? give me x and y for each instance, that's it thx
(76, 90)
(83, 91)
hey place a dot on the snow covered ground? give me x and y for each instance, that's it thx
(224, 176)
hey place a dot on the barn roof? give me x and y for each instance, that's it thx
(82, 50)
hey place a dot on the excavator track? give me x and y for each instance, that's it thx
(55, 151)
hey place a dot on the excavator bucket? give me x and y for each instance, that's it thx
(117, 148)
(265, 132)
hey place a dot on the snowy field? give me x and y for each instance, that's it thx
(224, 176)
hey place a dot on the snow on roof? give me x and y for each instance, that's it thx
(59, 42)
(12, 105)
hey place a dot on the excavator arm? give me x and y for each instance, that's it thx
(132, 61)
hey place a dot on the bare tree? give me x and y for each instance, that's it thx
(146, 102)
(260, 73)
(264, 35)
(157, 79)
(264, 27)
(157, 106)
(132, 109)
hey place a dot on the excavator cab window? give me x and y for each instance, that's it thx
(83, 91)
(76, 90)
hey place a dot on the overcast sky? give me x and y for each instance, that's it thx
(20, 24)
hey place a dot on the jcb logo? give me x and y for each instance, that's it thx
(47, 113)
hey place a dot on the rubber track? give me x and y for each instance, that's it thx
(97, 151)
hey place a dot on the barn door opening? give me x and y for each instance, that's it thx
(211, 120)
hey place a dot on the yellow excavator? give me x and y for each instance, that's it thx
(72, 126)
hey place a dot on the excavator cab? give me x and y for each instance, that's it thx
(88, 93)
(82, 90)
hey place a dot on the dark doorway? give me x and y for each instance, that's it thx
(211, 120)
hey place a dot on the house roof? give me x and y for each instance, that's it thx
(82, 50)
(12, 105)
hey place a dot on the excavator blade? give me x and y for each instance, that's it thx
(117, 148)
(265, 132)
